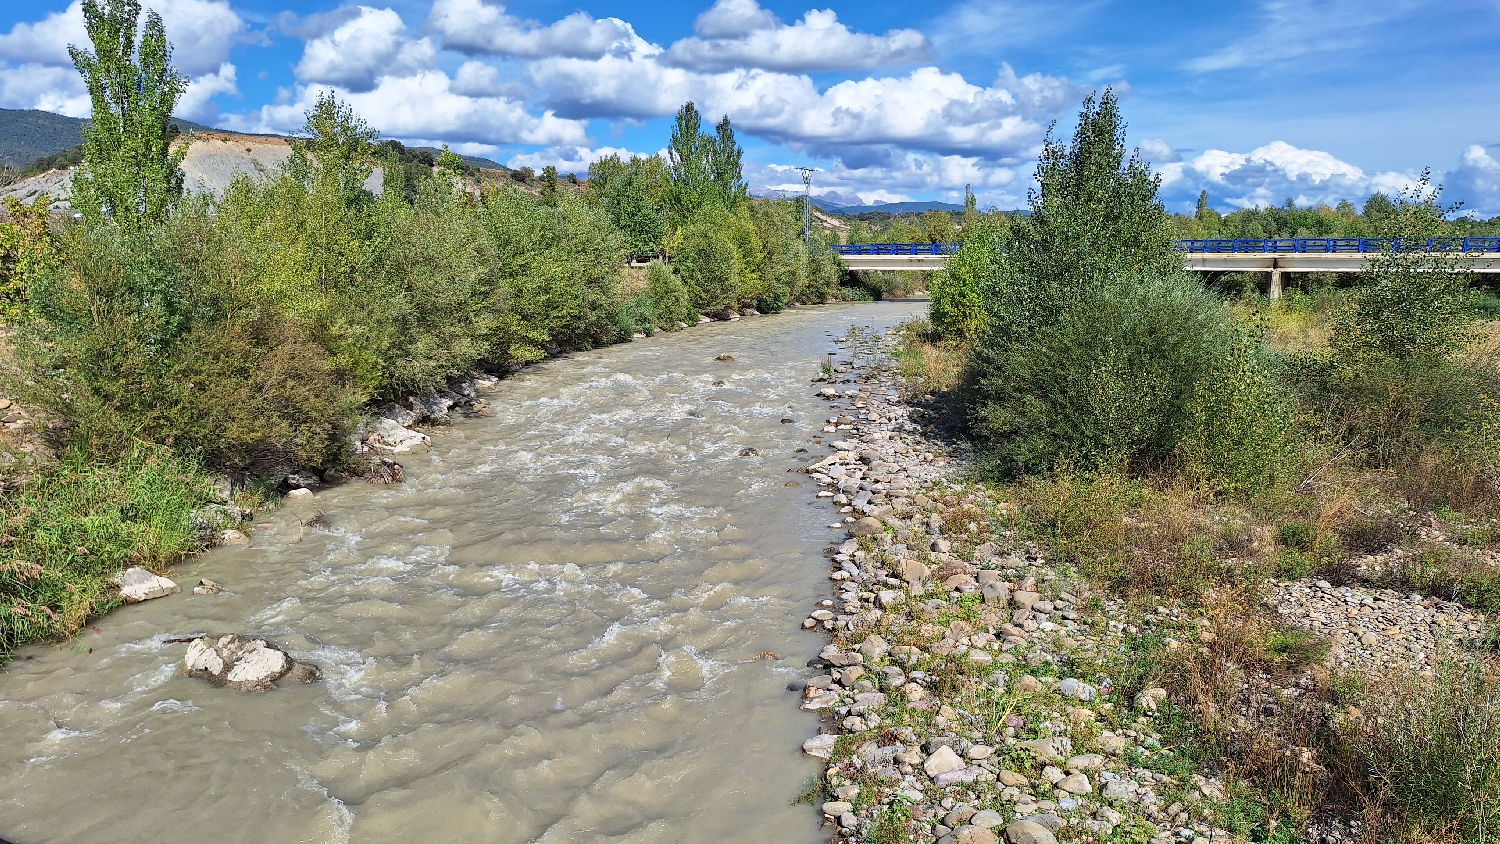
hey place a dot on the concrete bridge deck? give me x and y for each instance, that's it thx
(1273, 256)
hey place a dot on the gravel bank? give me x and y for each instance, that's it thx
(955, 706)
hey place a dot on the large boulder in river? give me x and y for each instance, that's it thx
(249, 665)
(391, 437)
(137, 584)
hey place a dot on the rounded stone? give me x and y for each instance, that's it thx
(1028, 832)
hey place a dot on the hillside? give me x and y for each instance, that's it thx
(28, 134)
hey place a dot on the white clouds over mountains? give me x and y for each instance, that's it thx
(880, 111)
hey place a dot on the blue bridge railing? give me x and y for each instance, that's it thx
(1342, 244)
(1325, 245)
(896, 248)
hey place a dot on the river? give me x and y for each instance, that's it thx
(547, 634)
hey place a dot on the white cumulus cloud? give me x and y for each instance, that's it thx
(362, 49)
(479, 27)
(1268, 175)
(44, 87)
(927, 109)
(742, 34)
(424, 105)
(201, 32)
(197, 103)
(569, 159)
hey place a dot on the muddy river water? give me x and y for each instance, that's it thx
(547, 634)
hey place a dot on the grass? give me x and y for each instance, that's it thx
(74, 526)
(1424, 754)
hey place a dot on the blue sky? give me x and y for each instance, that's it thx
(1255, 102)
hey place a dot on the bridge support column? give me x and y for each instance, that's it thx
(1275, 290)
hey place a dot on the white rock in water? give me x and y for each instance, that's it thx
(299, 493)
(137, 584)
(820, 746)
(392, 438)
(233, 537)
(249, 665)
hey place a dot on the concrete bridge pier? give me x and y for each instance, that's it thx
(1275, 289)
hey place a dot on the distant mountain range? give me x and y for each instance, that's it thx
(853, 206)
(884, 207)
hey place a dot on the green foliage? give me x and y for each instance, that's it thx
(669, 297)
(147, 334)
(958, 308)
(631, 193)
(130, 173)
(549, 185)
(336, 151)
(1097, 351)
(704, 168)
(1411, 303)
(26, 251)
(709, 264)
(1428, 753)
(73, 527)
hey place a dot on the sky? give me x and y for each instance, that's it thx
(1255, 102)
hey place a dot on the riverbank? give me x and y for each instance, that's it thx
(977, 687)
(957, 698)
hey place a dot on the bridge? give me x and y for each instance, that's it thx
(1273, 256)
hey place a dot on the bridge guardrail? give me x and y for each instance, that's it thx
(896, 248)
(1333, 245)
(1240, 246)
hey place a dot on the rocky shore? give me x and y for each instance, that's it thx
(958, 701)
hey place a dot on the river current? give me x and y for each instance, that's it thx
(547, 634)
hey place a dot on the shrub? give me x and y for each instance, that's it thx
(156, 333)
(1125, 377)
(72, 528)
(669, 299)
(957, 301)
(1426, 753)
(709, 265)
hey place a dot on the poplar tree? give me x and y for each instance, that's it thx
(130, 173)
(686, 159)
(725, 164)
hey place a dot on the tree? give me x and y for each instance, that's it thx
(626, 191)
(971, 206)
(549, 185)
(686, 161)
(336, 149)
(130, 173)
(725, 165)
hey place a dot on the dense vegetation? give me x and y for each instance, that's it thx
(164, 335)
(1177, 446)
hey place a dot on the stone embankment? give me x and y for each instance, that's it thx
(955, 688)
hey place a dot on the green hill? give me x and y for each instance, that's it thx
(28, 134)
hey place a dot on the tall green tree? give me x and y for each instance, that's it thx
(130, 173)
(687, 159)
(336, 149)
(725, 165)
(628, 191)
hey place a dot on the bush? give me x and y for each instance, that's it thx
(157, 334)
(957, 307)
(72, 528)
(1426, 752)
(709, 266)
(669, 299)
(1122, 379)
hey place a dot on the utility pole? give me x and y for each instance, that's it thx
(807, 204)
